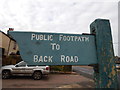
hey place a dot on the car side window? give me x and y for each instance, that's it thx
(23, 64)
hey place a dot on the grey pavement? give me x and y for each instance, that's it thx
(119, 78)
(52, 81)
(87, 72)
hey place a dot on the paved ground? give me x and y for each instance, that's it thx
(119, 78)
(86, 71)
(53, 81)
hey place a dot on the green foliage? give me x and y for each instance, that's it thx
(61, 68)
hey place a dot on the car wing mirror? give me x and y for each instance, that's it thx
(16, 65)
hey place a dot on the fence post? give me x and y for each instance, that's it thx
(105, 71)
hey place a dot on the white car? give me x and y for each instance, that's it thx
(23, 69)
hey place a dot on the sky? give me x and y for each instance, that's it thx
(59, 16)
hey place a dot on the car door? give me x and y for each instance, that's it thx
(29, 69)
(19, 68)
